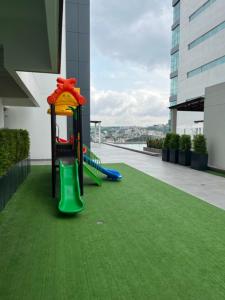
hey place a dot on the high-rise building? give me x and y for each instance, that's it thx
(174, 54)
(197, 100)
(39, 41)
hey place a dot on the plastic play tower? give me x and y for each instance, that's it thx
(71, 157)
(67, 157)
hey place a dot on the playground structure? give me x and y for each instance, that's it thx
(71, 157)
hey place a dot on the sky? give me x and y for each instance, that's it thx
(130, 61)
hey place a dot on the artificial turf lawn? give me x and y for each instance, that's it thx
(137, 239)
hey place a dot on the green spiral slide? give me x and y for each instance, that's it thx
(71, 200)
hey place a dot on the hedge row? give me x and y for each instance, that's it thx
(14, 147)
(155, 143)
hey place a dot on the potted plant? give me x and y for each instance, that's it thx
(174, 147)
(166, 148)
(199, 157)
(184, 156)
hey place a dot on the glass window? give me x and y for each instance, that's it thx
(176, 36)
(207, 35)
(201, 9)
(173, 86)
(176, 12)
(174, 62)
(206, 67)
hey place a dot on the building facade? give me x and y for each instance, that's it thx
(197, 65)
(78, 55)
(58, 50)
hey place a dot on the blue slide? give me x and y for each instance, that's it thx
(111, 174)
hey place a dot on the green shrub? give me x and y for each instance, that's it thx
(174, 141)
(185, 142)
(24, 144)
(14, 147)
(166, 143)
(199, 144)
(12, 139)
(155, 143)
(4, 151)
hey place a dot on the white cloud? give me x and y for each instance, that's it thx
(133, 30)
(130, 61)
(132, 107)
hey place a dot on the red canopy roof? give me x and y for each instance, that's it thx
(66, 85)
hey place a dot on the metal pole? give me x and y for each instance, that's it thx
(95, 133)
(99, 132)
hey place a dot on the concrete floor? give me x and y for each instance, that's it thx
(207, 187)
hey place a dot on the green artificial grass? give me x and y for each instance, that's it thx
(137, 239)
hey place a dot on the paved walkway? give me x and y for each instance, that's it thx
(207, 187)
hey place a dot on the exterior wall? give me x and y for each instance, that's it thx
(75, 62)
(207, 51)
(36, 120)
(214, 125)
(1, 115)
(78, 55)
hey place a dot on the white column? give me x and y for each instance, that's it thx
(174, 120)
(1, 114)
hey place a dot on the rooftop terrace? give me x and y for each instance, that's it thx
(137, 239)
(203, 185)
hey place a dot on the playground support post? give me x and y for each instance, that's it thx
(75, 133)
(79, 123)
(53, 142)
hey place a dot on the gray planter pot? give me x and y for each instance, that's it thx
(199, 161)
(165, 154)
(184, 158)
(174, 156)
